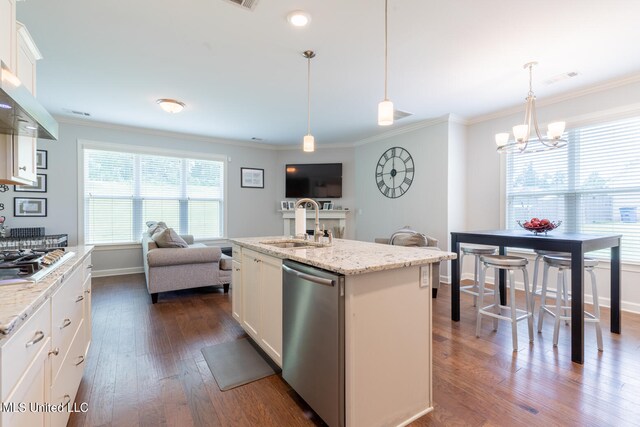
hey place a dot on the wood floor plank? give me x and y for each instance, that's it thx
(145, 368)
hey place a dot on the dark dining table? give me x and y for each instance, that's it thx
(575, 243)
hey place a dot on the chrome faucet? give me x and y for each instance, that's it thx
(316, 232)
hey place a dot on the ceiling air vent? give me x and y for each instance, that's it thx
(76, 112)
(399, 114)
(245, 4)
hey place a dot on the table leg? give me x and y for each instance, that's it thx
(615, 290)
(577, 305)
(455, 280)
(502, 279)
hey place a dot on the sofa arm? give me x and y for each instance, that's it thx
(180, 256)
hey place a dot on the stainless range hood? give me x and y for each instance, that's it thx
(20, 112)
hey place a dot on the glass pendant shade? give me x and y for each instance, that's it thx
(520, 132)
(385, 113)
(502, 139)
(555, 130)
(309, 144)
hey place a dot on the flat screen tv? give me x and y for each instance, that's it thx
(314, 180)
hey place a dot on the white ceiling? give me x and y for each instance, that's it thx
(242, 75)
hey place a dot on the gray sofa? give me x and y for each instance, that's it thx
(170, 269)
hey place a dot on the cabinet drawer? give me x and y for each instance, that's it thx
(67, 306)
(22, 348)
(87, 313)
(86, 268)
(32, 389)
(65, 385)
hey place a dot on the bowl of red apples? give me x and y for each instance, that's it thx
(536, 225)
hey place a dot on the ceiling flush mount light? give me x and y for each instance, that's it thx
(521, 133)
(308, 143)
(170, 105)
(385, 107)
(299, 18)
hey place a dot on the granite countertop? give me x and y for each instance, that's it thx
(349, 256)
(19, 301)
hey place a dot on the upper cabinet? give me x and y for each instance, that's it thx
(20, 165)
(8, 32)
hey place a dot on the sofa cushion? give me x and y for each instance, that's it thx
(226, 262)
(168, 238)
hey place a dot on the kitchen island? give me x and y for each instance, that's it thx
(45, 333)
(385, 334)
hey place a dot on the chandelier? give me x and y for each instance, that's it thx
(522, 133)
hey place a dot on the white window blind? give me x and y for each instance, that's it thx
(122, 191)
(592, 186)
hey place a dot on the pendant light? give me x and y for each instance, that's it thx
(308, 143)
(385, 107)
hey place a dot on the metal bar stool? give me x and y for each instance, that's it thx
(477, 253)
(536, 263)
(562, 311)
(509, 263)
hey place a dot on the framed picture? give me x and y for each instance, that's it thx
(41, 159)
(284, 205)
(321, 204)
(23, 206)
(292, 205)
(39, 187)
(251, 178)
(327, 206)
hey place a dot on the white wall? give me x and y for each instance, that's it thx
(484, 207)
(424, 206)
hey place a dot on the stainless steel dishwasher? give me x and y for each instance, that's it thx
(313, 338)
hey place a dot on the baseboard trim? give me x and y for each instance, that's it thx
(117, 272)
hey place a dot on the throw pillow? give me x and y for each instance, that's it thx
(168, 238)
(154, 227)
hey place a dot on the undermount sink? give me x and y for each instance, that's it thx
(289, 243)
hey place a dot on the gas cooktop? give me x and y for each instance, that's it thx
(30, 265)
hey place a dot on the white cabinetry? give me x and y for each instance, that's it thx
(261, 296)
(8, 32)
(42, 361)
(20, 164)
(236, 291)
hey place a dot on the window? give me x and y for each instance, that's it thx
(123, 190)
(592, 186)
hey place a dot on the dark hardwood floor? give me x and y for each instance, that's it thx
(145, 368)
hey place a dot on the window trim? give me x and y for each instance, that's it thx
(83, 144)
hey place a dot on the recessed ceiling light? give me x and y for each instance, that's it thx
(299, 18)
(170, 105)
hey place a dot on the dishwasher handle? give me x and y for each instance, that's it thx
(309, 277)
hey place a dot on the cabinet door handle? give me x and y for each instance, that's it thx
(81, 360)
(65, 323)
(88, 291)
(80, 298)
(67, 398)
(23, 168)
(55, 352)
(39, 336)
(90, 266)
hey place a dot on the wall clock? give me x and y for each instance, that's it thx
(394, 172)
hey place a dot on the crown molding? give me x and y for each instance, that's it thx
(162, 133)
(599, 87)
(402, 130)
